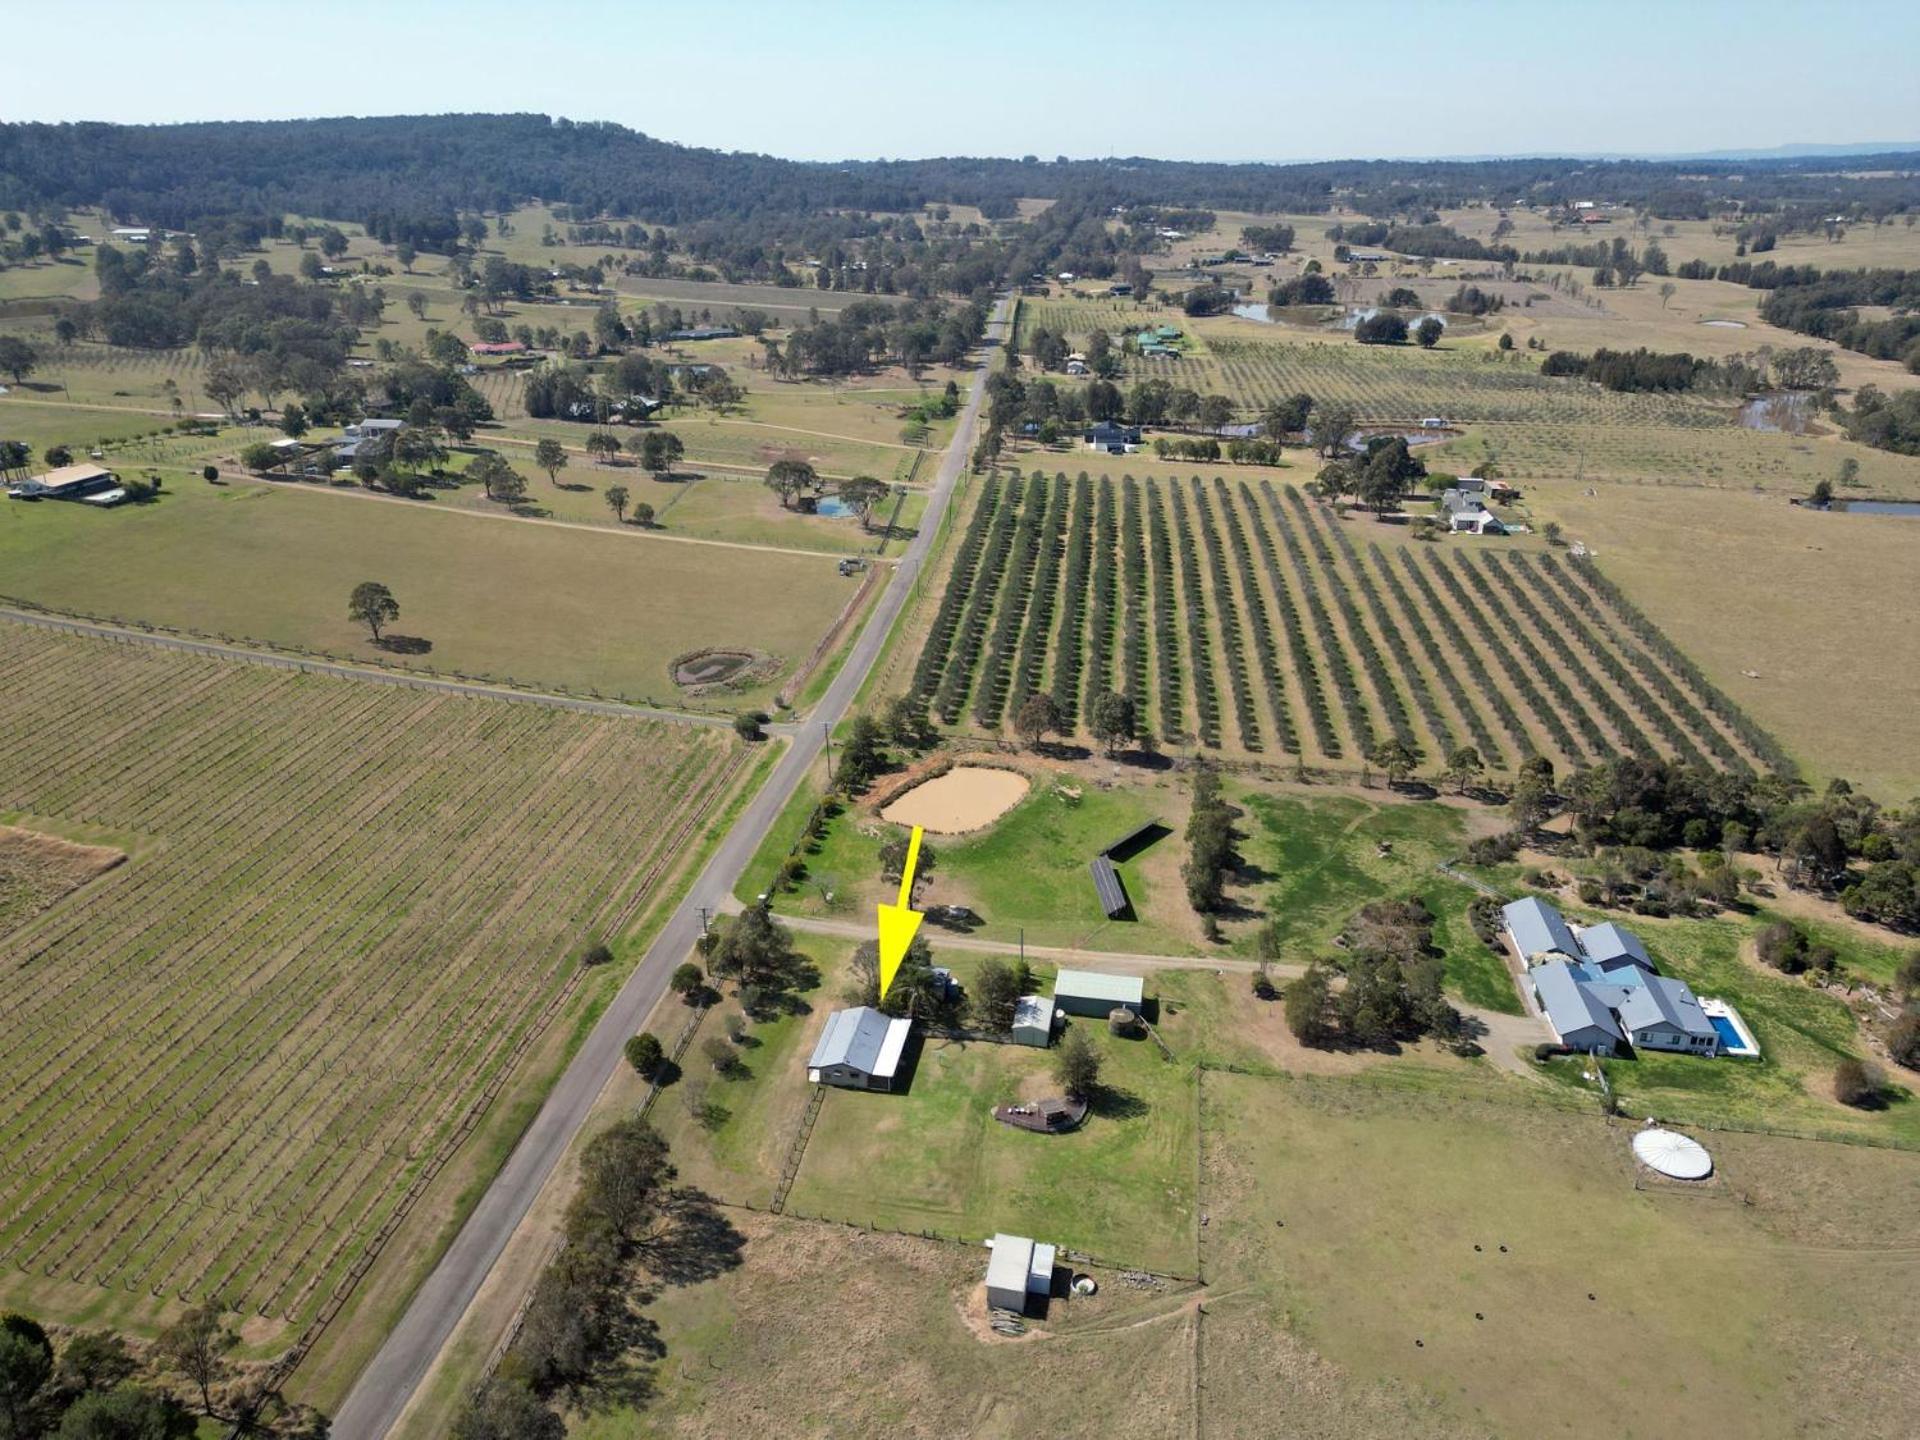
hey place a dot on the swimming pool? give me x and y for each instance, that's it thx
(1730, 1038)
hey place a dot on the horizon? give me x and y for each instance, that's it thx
(947, 81)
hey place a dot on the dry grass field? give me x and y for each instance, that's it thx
(227, 1060)
(36, 870)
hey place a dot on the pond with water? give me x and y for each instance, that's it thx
(1784, 412)
(1872, 507)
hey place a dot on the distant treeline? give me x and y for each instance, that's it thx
(1634, 370)
(1442, 242)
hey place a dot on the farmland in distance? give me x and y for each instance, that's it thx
(350, 907)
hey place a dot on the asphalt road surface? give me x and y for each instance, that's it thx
(388, 1382)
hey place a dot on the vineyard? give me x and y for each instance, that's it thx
(1245, 619)
(226, 1061)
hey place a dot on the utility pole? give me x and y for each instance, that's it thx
(827, 730)
(704, 913)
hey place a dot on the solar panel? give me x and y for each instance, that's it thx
(1106, 884)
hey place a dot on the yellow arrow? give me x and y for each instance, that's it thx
(899, 923)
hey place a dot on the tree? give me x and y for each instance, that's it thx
(504, 1409)
(791, 480)
(26, 1365)
(624, 1173)
(997, 988)
(551, 456)
(603, 445)
(645, 1054)
(17, 357)
(1429, 331)
(1112, 720)
(616, 498)
(1309, 1006)
(373, 605)
(1397, 758)
(500, 480)
(643, 515)
(862, 494)
(126, 1413)
(417, 303)
(196, 1345)
(750, 724)
(1038, 715)
(687, 981)
(864, 753)
(660, 452)
(1331, 428)
(1667, 291)
(1076, 1065)
(259, 456)
(1464, 766)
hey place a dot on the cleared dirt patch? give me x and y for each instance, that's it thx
(966, 798)
(36, 870)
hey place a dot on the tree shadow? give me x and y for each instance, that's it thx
(567, 485)
(1111, 1103)
(699, 1242)
(530, 510)
(404, 644)
(628, 1373)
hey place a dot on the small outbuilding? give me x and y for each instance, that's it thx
(66, 482)
(860, 1049)
(1092, 992)
(1020, 1274)
(1033, 1021)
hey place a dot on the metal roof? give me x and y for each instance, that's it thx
(1106, 884)
(1608, 943)
(1538, 929)
(863, 1039)
(1659, 1000)
(1020, 1264)
(1094, 985)
(1571, 1007)
(1033, 1010)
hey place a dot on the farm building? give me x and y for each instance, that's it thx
(1020, 1274)
(1600, 989)
(1112, 437)
(1466, 514)
(1033, 1021)
(704, 332)
(860, 1049)
(1090, 992)
(497, 347)
(67, 482)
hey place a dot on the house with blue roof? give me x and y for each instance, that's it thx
(1600, 990)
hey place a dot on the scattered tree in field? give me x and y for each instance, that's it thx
(645, 1054)
(1429, 331)
(791, 480)
(1903, 1040)
(1397, 758)
(196, 1345)
(551, 456)
(1038, 715)
(417, 303)
(660, 452)
(501, 481)
(259, 456)
(1667, 291)
(863, 494)
(643, 515)
(373, 605)
(604, 445)
(1076, 1065)
(624, 1175)
(1210, 855)
(688, 982)
(1464, 766)
(1332, 426)
(616, 498)
(721, 1055)
(1552, 533)
(17, 357)
(1112, 720)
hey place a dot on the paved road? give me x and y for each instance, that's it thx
(357, 672)
(388, 1382)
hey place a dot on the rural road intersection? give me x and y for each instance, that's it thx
(386, 1385)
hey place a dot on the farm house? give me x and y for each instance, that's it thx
(859, 1049)
(1090, 992)
(1020, 1274)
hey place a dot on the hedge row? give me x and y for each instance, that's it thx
(972, 630)
(955, 684)
(1605, 649)
(1383, 686)
(1070, 641)
(1233, 638)
(1533, 665)
(1105, 596)
(1031, 662)
(1443, 664)
(1194, 615)
(1716, 701)
(1133, 553)
(1562, 587)
(953, 601)
(1470, 656)
(1319, 713)
(1358, 721)
(1166, 645)
(1263, 645)
(1522, 683)
(990, 695)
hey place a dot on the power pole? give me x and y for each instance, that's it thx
(827, 730)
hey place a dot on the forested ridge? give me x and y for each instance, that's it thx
(365, 169)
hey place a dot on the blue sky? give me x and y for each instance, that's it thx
(1225, 80)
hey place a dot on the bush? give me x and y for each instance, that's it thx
(1903, 1040)
(1856, 1083)
(750, 725)
(209, 472)
(596, 954)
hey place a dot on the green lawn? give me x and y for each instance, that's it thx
(530, 603)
